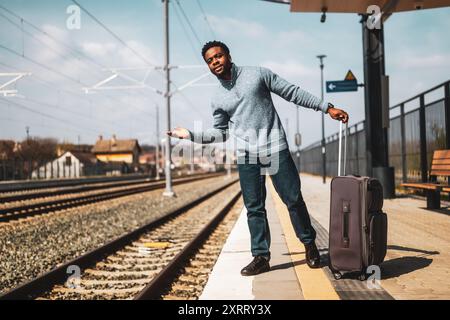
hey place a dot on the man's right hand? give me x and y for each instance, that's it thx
(180, 133)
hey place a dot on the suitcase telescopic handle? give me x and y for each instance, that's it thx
(340, 147)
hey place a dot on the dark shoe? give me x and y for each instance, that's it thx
(259, 265)
(312, 255)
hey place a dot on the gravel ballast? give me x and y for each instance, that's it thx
(36, 245)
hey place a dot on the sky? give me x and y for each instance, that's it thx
(35, 38)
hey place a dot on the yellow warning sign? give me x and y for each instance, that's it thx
(350, 76)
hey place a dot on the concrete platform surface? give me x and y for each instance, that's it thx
(417, 265)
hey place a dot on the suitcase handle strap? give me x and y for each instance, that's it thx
(340, 148)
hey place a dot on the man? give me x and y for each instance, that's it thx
(243, 102)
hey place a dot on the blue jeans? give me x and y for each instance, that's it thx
(287, 184)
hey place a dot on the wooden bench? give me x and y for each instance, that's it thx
(440, 166)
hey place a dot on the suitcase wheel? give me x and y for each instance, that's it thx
(362, 276)
(337, 275)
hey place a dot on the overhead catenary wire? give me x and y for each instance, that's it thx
(189, 22)
(113, 34)
(7, 102)
(131, 49)
(206, 19)
(79, 53)
(40, 41)
(84, 56)
(50, 69)
(194, 49)
(41, 65)
(35, 124)
(56, 40)
(50, 85)
(60, 108)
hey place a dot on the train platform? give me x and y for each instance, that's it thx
(415, 267)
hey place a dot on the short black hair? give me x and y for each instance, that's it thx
(214, 43)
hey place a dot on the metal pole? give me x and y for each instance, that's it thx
(227, 160)
(192, 158)
(447, 114)
(423, 141)
(403, 142)
(157, 143)
(447, 117)
(168, 192)
(324, 159)
(376, 108)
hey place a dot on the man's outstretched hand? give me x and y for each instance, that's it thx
(180, 133)
(338, 114)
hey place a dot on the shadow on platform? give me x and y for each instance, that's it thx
(399, 266)
(390, 269)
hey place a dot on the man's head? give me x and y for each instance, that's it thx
(217, 56)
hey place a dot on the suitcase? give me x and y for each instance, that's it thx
(358, 225)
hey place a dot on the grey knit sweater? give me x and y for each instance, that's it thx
(243, 107)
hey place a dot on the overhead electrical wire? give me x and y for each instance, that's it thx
(189, 23)
(113, 34)
(194, 49)
(86, 57)
(7, 102)
(59, 41)
(131, 49)
(206, 19)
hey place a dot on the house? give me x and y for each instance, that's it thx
(147, 162)
(7, 149)
(71, 164)
(115, 151)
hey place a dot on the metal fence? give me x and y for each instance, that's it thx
(413, 135)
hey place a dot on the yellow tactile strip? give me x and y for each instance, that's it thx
(314, 282)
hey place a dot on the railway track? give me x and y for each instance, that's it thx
(34, 185)
(82, 186)
(28, 195)
(20, 211)
(141, 264)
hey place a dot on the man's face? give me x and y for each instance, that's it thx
(218, 61)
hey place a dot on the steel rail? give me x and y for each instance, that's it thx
(82, 187)
(19, 212)
(160, 283)
(38, 286)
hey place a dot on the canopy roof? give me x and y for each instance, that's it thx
(360, 6)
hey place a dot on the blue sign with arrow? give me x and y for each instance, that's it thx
(348, 84)
(341, 86)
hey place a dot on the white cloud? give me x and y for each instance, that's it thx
(292, 37)
(227, 26)
(45, 48)
(290, 68)
(55, 32)
(97, 49)
(129, 58)
(114, 55)
(429, 61)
